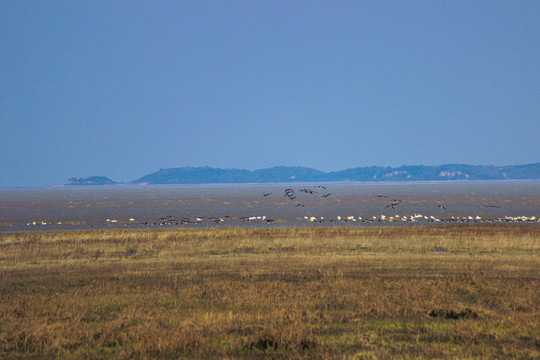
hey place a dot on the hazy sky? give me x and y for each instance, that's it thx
(123, 88)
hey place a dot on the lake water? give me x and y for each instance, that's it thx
(60, 208)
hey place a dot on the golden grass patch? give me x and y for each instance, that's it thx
(456, 291)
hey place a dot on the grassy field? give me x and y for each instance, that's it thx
(367, 293)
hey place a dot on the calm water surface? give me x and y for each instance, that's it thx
(56, 208)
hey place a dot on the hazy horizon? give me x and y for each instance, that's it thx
(122, 89)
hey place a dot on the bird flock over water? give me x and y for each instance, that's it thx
(289, 193)
(321, 192)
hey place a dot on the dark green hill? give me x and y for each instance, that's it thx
(92, 180)
(195, 175)
(208, 175)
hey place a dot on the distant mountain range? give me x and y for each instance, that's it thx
(284, 174)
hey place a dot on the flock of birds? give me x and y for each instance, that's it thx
(425, 218)
(289, 193)
(292, 195)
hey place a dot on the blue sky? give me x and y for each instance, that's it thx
(123, 88)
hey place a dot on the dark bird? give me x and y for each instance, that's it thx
(393, 204)
(322, 187)
(442, 207)
(290, 194)
(326, 195)
(382, 196)
(300, 205)
(307, 191)
(267, 194)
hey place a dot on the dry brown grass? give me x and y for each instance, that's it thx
(407, 292)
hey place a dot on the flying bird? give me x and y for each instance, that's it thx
(290, 194)
(394, 203)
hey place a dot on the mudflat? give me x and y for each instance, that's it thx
(268, 205)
